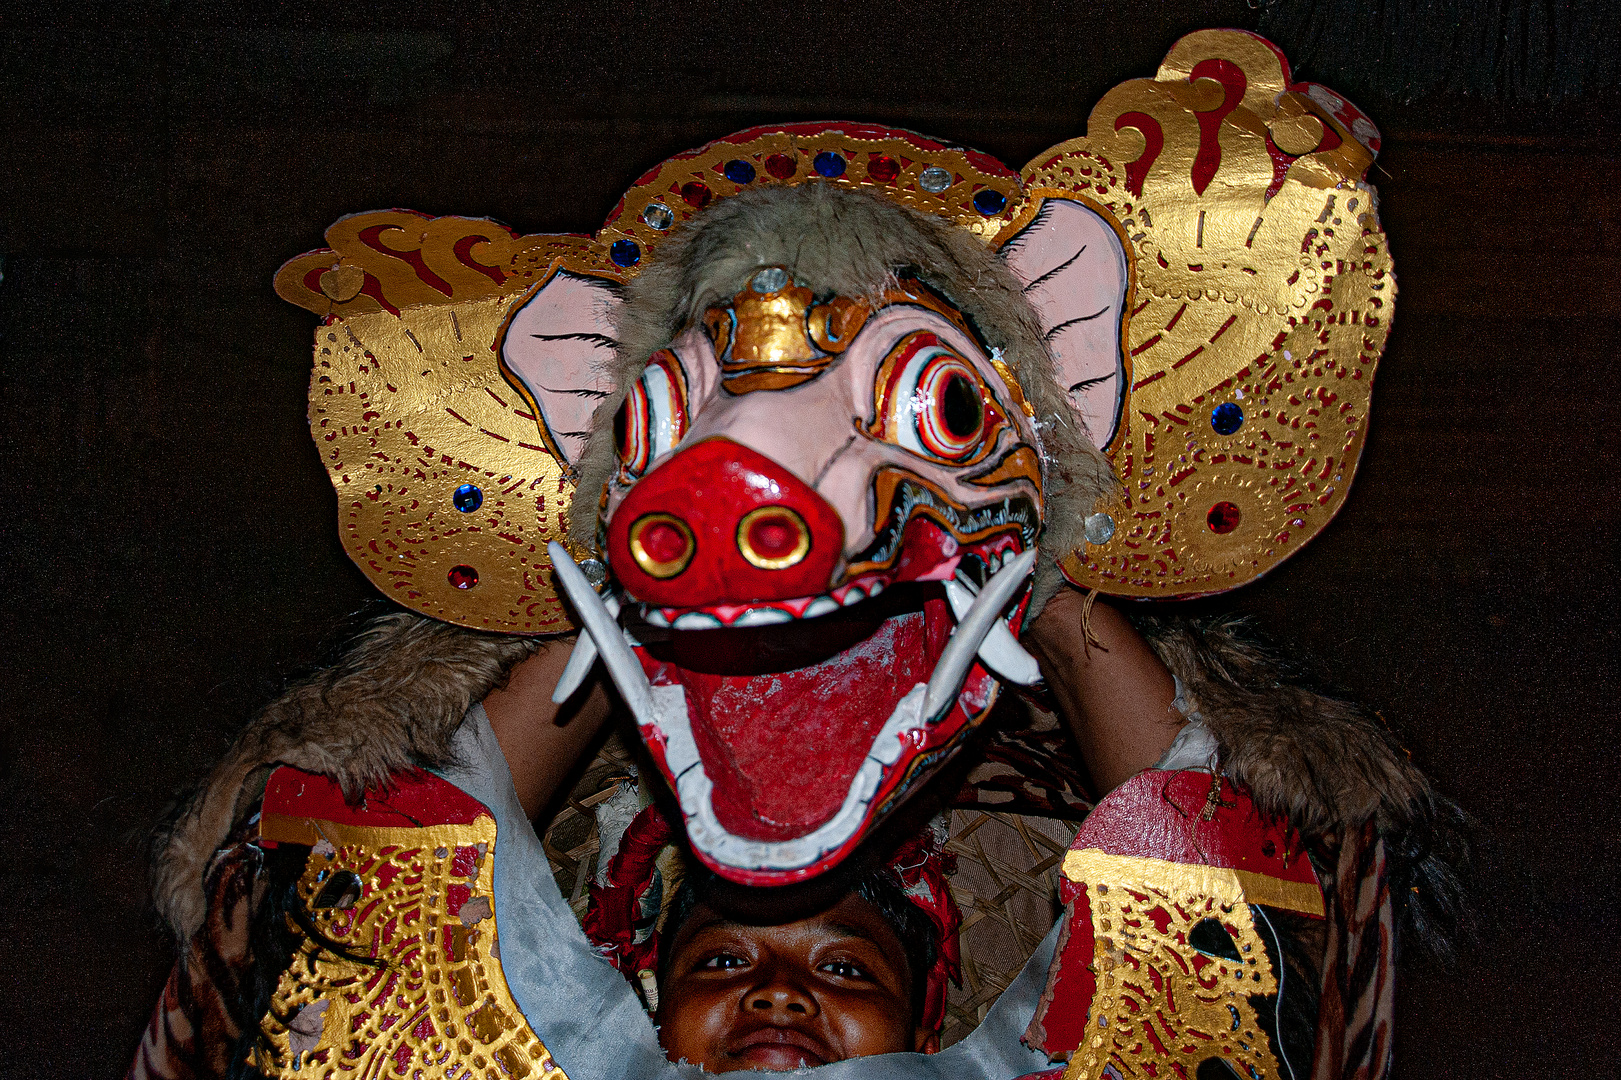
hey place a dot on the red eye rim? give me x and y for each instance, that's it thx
(631, 436)
(925, 431)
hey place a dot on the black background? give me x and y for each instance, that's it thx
(170, 556)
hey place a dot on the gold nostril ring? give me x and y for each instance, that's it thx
(773, 537)
(661, 544)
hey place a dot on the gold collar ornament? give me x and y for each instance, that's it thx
(1260, 299)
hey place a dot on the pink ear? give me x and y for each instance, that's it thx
(1075, 275)
(557, 348)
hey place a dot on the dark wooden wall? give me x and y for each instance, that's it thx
(170, 551)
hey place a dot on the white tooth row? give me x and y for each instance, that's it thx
(762, 616)
(995, 561)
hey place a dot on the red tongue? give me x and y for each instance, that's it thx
(782, 749)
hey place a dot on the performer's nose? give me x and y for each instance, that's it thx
(719, 523)
(785, 999)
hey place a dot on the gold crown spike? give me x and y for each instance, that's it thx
(1260, 301)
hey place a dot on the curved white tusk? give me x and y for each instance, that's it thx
(1000, 650)
(580, 661)
(623, 666)
(958, 655)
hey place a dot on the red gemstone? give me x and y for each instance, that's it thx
(663, 542)
(781, 166)
(462, 577)
(883, 169)
(696, 194)
(1223, 518)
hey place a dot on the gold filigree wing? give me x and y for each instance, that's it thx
(1261, 302)
(431, 416)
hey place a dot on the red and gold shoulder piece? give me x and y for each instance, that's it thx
(1190, 818)
(399, 968)
(1158, 888)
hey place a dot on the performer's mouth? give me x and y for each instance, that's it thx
(779, 1049)
(785, 741)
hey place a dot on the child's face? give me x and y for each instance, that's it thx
(823, 989)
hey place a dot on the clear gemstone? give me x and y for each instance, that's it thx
(658, 216)
(770, 279)
(934, 180)
(595, 571)
(1099, 528)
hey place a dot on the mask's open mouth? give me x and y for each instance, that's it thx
(813, 692)
(786, 742)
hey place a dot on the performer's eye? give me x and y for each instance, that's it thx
(932, 402)
(653, 416)
(846, 969)
(722, 962)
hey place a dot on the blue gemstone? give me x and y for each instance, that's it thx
(625, 253)
(1227, 418)
(739, 172)
(829, 164)
(468, 498)
(989, 201)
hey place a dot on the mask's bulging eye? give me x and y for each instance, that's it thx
(950, 416)
(932, 402)
(652, 418)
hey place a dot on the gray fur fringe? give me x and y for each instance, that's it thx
(392, 702)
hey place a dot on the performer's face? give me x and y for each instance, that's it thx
(823, 989)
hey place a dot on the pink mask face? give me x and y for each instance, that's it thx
(793, 505)
(823, 516)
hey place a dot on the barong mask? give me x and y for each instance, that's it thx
(825, 494)
(820, 416)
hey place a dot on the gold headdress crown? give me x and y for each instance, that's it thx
(1261, 298)
(775, 333)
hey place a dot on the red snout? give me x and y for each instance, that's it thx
(718, 523)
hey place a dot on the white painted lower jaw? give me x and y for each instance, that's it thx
(695, 790)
